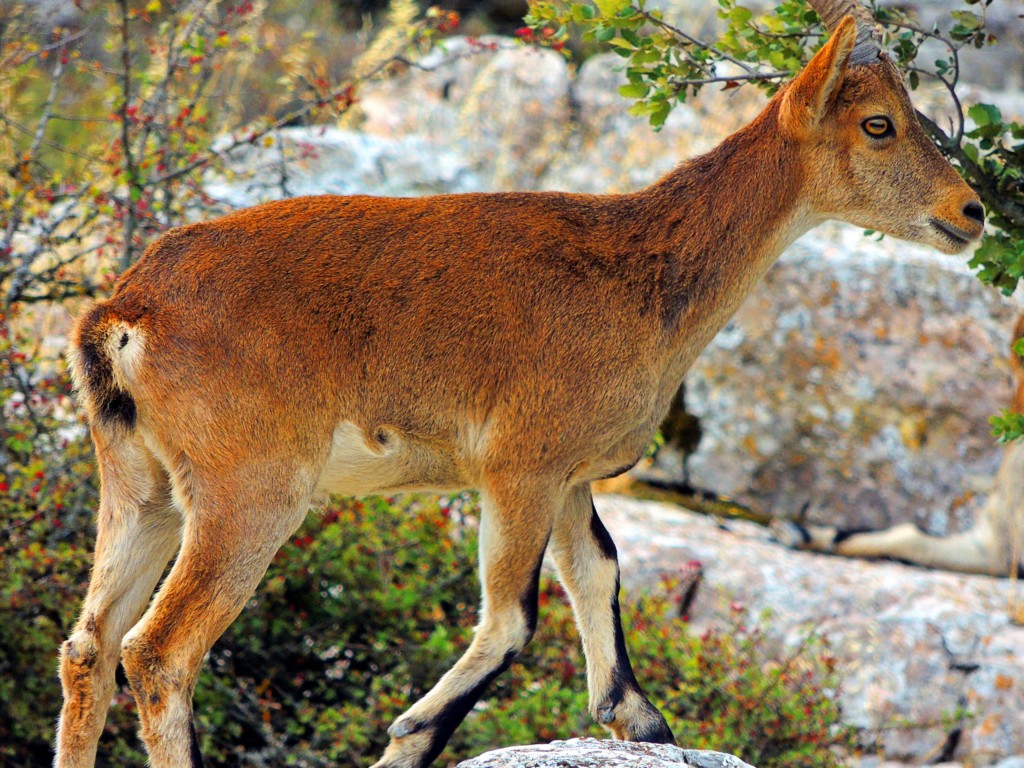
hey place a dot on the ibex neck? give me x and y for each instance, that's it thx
(723, 219)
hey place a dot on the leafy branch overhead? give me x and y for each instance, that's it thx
(664, 64)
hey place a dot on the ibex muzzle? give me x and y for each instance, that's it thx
(522, 344)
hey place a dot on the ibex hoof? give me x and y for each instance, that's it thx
(654, 732)
(789, 534)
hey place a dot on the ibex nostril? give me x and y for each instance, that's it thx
(975, 212)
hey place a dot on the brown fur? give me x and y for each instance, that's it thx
(993, 546)
(523, 343)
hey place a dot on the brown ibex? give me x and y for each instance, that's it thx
(524, 344)
(993, 546)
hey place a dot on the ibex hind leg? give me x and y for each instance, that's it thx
(588, 565)
(138, 530)
(515, 526)
(230, 537)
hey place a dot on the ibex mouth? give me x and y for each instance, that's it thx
(958, 236)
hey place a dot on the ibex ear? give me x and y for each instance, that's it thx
(807, 98)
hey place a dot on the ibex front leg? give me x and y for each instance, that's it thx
(588, 564)
(514, 530)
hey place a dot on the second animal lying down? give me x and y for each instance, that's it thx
(523, 344)
(994, 546)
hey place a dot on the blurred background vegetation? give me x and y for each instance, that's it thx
(110, 115)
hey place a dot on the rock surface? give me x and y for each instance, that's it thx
(316, 161)
(505, 108)
(856, 382)
(912, 645)
(596, 753)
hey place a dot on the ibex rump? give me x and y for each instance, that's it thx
(523, 344)
(993, 546)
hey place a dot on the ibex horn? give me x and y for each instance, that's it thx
(832, 12)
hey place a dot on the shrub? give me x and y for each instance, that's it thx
(360, 613)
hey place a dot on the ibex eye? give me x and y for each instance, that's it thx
(878, 127)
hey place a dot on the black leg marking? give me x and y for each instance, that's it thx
(197, 756)
(844, 534)
(602, 537)
(623, 678)
(448, 720)
(530, 599)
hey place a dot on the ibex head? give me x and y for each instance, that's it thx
(867, 160)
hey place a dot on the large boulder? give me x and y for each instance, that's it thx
(855, 384)
(613, 151)
(595, 753)
(314, 161)
(914, 647)
(505, 108)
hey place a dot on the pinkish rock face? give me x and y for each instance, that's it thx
(857, 380)
(912, 645)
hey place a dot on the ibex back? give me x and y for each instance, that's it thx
(521, 344)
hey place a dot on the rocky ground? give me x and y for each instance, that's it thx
(914, 645)
(594, 753)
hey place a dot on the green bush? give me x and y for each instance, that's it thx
(360, 613)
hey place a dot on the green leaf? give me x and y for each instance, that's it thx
(659, 113)
(633, 90)
(740, 15)
(609, 8)
(647, 56)
(1007, 426)
(985, 114)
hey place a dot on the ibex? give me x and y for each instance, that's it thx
(523, 344)
(993, 546)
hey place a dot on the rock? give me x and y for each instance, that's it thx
(912, 645)
(613, 151)
(505, 108)
(595, 753)
(856, 381)
(309, 161)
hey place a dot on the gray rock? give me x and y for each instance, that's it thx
(912, 645)
(505, 107)
(613, 151)
(856, 381)
(595, 753)
(309, 161)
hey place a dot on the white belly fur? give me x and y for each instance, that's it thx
(388, 462)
